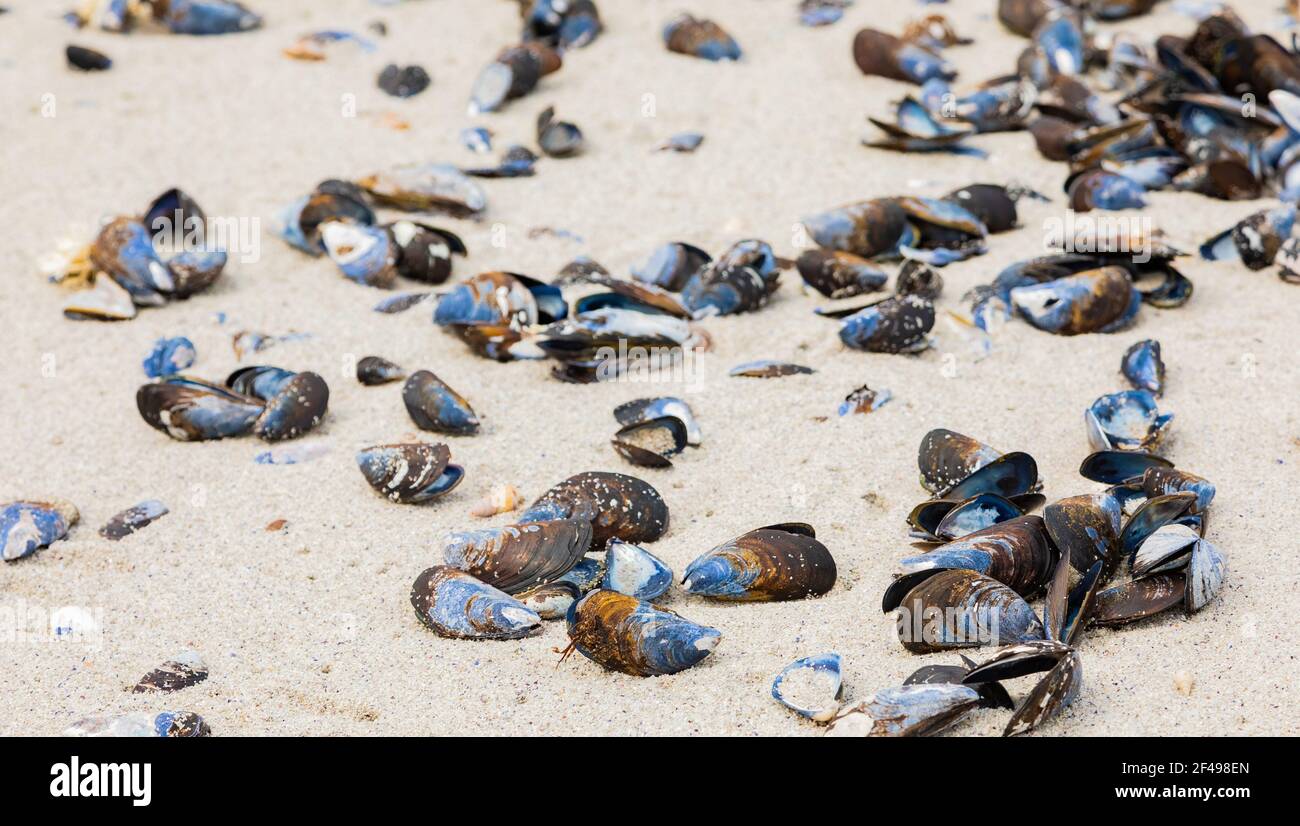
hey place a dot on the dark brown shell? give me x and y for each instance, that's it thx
(516, 558)
(837, 274)
(1052, 694)
(1021, 554)
(970, 609)
(373, 370)
(625, 634)
(173, 675)
(781, 562)
(946, 458)
(876, 53)
(618, 506)
(1081, 528)
(1023, 16)
(296, 408)
(1139, 599)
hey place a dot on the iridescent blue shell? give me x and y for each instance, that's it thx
(632, 570)
(168, 356)
(26, 527)
(455, 604)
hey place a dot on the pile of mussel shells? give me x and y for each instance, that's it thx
(195, 17)
(270, 402)
(974, 587)
(124, 268)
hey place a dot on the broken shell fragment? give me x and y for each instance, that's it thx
(435, 406)
(518, 557)
(864, 400)
(632, 570)
(454, 604)
(410, 473)
(26, 527)
(105, 301)
(688, 35)
(623, 633)
(168, 356)
(811, 686)
(906, 711)
(777, 563)
(503, 498)
(682, 142)
(133, 519)
(374, 370)
(141, 724)
(766, 369)
(185, 669)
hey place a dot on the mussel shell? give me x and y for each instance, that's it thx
(1154, 514)
(133, 519)
(434, 406)
(864, 228)
(1086, 528)
(551, 600)
(837, 274)
(896, 325)
(1168, 548)
(1159, 480)
(1204, 576)
(1096, 301)
(632, 570)
(364, 254)
(1113, 467)
(410, 473)
(688, 35)
(1127, 420)
(992, 694)
(883, 55)
(672, 265)
(991, 203)
(618, 506)
(176, 210)
(1049, 697)
(1010, 475)
(331, 201)
(193, 271)
(182, 671)
(168, 356)
(764, 565)
(946, 458)
(518, 557)
(915, 278)
(500, 298)
(958, 608)
(587, 574)
(811, 686)
(374, 370)
(650, 443)
(424, 252)
(124, 249)
(1017, 553)
(1066, 610)
(426, 187)
(917, 710)
(1019, 660)
(1143, 367)
(455, 604)
(767, 369)
(141, 724)
(299, 406)
(1139, 598)
(625, 634)
(26, 527)
(644, 410)
(948, 519)
(191, 410)
(557, 138)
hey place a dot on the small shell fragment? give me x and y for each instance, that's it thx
(185, 669)
(811, 686)
(503, 498)
(141, 724)
(132, 519)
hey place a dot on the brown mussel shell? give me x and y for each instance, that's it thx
(946, 458)
(1085, 527)
(410, 472)
(1139, 598)
(618, 506)
(296, 408)
(518, 557)
(958, 608)
(1020, 553)
(374, 370)
(780, 562)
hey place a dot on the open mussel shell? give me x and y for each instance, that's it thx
(617, 506)
(632, 570)
(992, 694)
(182, 671)
(455, 604)
(1139, 598)
(811, 686)
(837, 274)
(672, 265)
(644, 410)
(899, 324)
(958, 608)
(331, 201)
(626, 634)
(946, 458)
(435, 406)
(133, 519)
(1114, 467)
(1011, 475)
(1168, 548)
(1143, 367)
(650, 443)
(1066, 610)
(141, 724)
(943, 520)
(1018, 660)
(551, 600)
(1128, 420)
(518, 557)
(373, 370)
(916, 710)
(26, 527)
(705, 39)
(410, 473)
(424, 252)
(501, 298)
(764, 565)
(124, 250)
(1103, 300)
(426, 188)
(557, 138)
(295, 403)
(1017, 553)
(1205, 573)
(1085, 528)
(192, 410)
(1154, 514)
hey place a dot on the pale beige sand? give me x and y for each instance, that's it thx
(310, 632)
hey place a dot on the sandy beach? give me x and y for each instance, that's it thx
(308, 630)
